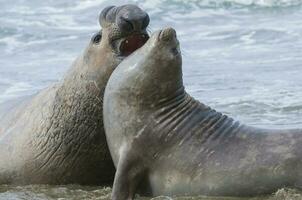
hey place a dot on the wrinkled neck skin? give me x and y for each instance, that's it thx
(74, 122)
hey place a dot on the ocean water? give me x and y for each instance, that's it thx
(241, 57)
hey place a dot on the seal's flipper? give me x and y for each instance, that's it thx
(128, 174)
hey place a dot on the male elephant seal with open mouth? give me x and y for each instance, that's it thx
(57, 136)
(164, 142)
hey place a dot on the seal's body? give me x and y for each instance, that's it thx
(57, 135)
(164, 142)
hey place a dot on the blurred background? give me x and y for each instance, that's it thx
(241, 57)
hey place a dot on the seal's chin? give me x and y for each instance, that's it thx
(129, 44)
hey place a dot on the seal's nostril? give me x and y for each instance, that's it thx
(168, 34)
(171, 31)
(129, 24)
(132, 19)
(125, 24)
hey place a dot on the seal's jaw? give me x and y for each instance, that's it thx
(127, 45)
(132, 43)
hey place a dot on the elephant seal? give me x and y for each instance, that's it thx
(57, 136)
(163, 142)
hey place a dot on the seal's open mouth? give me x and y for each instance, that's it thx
(127, 45)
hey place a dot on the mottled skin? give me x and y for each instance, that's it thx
(57, 135)
(164, 142)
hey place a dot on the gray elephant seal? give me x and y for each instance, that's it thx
(163, 142)
(57, 135)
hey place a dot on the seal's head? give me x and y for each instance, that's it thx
(124, 27)
(123, 31)
(151, 73)
(163, 64)
(164, 45)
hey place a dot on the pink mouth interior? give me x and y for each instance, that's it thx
(132, 43)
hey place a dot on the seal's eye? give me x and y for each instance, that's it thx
(97, 38)
(176, 50)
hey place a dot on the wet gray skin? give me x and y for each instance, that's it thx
(164, 142)
(57, 135)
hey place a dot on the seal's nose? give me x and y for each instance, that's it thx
(132, 18)
(168, 34)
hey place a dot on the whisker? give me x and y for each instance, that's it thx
(184, 52)
(149, 29)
